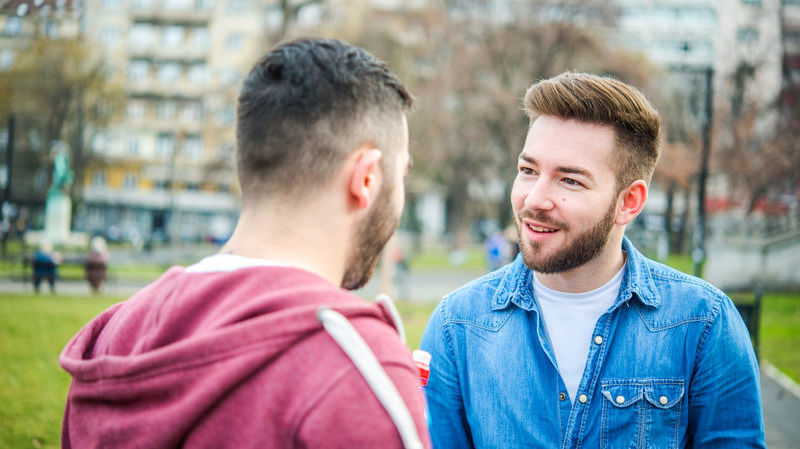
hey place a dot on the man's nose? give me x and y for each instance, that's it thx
(539, 197)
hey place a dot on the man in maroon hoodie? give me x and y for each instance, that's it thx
(231, 352)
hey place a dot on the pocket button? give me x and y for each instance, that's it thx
(663, 400)
(620, 399)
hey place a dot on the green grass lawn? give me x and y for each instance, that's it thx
(34, 329)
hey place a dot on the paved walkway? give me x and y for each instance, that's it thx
(781, 396)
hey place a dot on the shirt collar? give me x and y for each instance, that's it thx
(517, 285)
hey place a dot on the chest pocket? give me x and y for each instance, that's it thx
(641, 413)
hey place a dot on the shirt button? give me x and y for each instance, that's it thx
(562, 396)
(663, 400)
(582, 398)
(598, 340)
(620, 399)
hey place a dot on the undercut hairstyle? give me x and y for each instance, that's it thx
(604, 101)
(305, 106)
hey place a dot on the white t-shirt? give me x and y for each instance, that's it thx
(230, 262)
(570, 319)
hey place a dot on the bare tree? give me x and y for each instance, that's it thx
(757, 150)
(58, 90)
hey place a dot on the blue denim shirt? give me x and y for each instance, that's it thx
(670, 366)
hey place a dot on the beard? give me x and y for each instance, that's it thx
(577, 251)
(373, 233)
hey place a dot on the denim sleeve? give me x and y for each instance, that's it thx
(448, 422)
(724, 396)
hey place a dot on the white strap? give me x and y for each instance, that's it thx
(356, 348)
(384, 299)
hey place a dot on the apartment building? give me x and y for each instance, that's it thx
(169, 162)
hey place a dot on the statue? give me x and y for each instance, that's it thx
(58, 209)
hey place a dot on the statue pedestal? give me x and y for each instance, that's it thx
(77, 240)
(57, 218)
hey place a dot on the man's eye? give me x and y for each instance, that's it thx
(526, 170)
(572, 182)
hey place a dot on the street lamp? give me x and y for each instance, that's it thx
(699, 236)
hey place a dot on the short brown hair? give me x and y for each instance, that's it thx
(604, 101)
(305, 106)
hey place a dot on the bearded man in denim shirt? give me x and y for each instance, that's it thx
(583, 342)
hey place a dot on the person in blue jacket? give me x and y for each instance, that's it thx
(582, 342)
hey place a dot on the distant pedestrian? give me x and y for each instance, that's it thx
(96, 264)
(45, 266)
(498, 250)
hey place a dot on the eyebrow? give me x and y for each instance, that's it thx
(562, 169)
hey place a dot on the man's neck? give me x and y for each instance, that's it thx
(591, 275)
(318, 245)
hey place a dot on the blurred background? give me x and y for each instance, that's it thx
(117, 121)
(141, 94)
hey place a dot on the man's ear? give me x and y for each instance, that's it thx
(365, 176)
(631, 202)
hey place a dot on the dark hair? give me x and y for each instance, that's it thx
(604, 101)
(305, 106)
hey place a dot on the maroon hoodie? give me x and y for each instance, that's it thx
(232, 359)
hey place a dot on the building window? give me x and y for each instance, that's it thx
(226, 116)
(165, 144)
(51, 29)
(142, 4)
(201, 38)
(99, 179)
(194, 147)
(204, 5)
(169, 72)
(133, 146)
(110, 4)
(109, 36)
(100, 143)
(747, 35)
(234, 41)
(138, 70)
(230, 77)
(751, 2)
(13, 26)
(179, 5)
(192, 111)
(130, 181)
(173, 36)
(142, 35)
(166, 109)
(236, 5)
(7, 59)
(198, 73)
(135, 109)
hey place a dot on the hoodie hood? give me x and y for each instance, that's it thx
(147, 370)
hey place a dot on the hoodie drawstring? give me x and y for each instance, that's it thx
(356, 348)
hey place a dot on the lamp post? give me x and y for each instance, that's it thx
(699, 235)
(699, 251)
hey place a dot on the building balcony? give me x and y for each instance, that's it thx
(155, 13)
(162, 199)
(183, 53)
(153, 87)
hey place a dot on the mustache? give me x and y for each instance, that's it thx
(542, 218)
